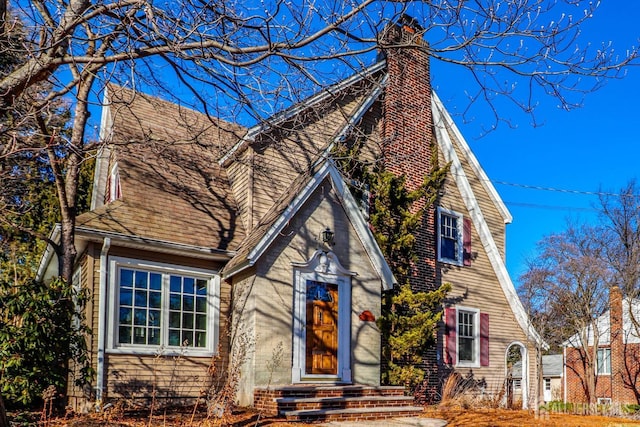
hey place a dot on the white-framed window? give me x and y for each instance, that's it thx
(517, 383)
(547, 384)
(466, 340)
(468, 347)
(450, 234)
(603, 362)
(162, 308)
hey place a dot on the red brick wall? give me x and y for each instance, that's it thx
(611, 386)
(625, 363)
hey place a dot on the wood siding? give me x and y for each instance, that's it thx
(477, 286)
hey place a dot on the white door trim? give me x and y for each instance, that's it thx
(321, 267)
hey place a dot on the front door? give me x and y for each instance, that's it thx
(322, 328)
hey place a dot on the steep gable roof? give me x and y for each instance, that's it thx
(449, 138)
(173, 189)
(321, 97)
(273, 223)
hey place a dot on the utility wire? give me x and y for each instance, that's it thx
(556, 190)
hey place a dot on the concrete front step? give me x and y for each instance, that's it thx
(299, 403)
(353, 414)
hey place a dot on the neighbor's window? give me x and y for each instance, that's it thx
(547, 384)
(449, 236)
(467, 337)
(517, 383)
(162, 307)
(603, 362)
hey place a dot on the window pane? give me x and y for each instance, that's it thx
(155, 282)
(465, 348)
(448, 249)
(174, 302)
(126, 277)
(604, 361)
(124, 335)
(174, 319)
(126, 297)
(201, 339)
(154, 317)
(154, 336)
(201, 287)
(155, 299)
(187, 338)
(141, 298)
(187, 303)
(187, 321)
(188, 285)
(201, 322)
(174, 337)
(140, 317)
(201, 304)
(139, 335)
(125, 316)
(141, 279)
(175, 284)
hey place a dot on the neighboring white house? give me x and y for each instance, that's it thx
(552, 371)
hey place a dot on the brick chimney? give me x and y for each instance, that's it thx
(408, 123)
(616, 342)
(408, 129)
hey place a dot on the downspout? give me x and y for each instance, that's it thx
(102, 302)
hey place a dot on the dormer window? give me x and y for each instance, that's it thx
(114, 191)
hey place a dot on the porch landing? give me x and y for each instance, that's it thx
(309, 402)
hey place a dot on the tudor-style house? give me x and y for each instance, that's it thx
(207, 239)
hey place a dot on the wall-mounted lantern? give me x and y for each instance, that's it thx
(327, 237)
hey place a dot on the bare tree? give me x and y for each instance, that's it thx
(234, 57)
(620, 239)
(620, 216)
(566, 288)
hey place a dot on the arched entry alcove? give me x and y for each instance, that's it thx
(516, 361)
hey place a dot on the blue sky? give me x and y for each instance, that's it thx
(596, 147)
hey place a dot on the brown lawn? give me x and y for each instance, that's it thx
(508, 418)
(455, 417)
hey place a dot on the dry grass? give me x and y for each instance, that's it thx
(458, 416)
(455, 416)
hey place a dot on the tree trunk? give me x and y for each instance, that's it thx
(4, 422)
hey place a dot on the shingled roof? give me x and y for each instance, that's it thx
(173, 189)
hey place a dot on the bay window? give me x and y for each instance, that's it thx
(159, 306)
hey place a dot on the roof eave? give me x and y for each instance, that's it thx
(154, 245)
